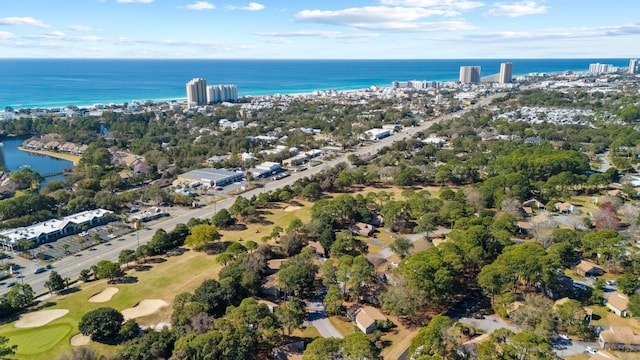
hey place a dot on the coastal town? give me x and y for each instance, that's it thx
(453, 220)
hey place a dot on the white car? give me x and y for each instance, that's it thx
(564, 336)
(589, 350)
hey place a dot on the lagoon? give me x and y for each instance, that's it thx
(14, 159)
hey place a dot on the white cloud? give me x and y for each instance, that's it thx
(448, 4)
(134, 1)
(56, 34)
(253, 6)
(5, 35)
(79, 28)
(22, 21)
(316, 33)
(556, 34)
(201, 5)
(517, 9)
(274, 41)
(369, 15)
(384, 18)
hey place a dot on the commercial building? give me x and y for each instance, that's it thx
(196, 91)
(210, 176)
(506, 73)
(54, 229)
(633, 66)
(377, 134)
(221, 93)
(266, 169)
(470, 74)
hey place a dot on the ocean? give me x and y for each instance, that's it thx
(45, 83)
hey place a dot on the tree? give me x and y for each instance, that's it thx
(628, 284)
(433, 340)
(126, 256)
(55, 283)
(312, 191)
(401, 246)
(85, 275)
(222, 219)
(333, 300)
(129, 330)
(322, 349)
(142, 252)
(102, 324)
(108, 269)
(5, 349)
(83, 353)
(291, 313)
(160, 242)
(297, 275)
(357, 346)
(201, 235)
(634, 305)
(20, 296)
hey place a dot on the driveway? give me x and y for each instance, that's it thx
(318, 318)
(489, 324)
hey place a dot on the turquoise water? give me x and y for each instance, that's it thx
(52, 82)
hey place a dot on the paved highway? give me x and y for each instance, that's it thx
(71, 266)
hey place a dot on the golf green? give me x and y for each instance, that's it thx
(38, 340)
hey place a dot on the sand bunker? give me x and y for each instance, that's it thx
(39, 318)
(292, 208)
(104, 296)
(79, 339)
(144, 308)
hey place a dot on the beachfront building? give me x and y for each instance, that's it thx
(196, 91)
(470, 74)
(209, 177)
(55, 229)
(598, 68)
(506, 73)
(222, 93)
(633, 66)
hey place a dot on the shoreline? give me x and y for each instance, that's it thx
(75, 159)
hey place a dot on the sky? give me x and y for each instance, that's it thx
(316, 29)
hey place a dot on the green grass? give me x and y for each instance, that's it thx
(38, 340)
(162, 280)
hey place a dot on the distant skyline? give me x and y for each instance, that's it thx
(304, 29)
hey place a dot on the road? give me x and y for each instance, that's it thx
(71, 266)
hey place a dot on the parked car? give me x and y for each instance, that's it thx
(611, 282)
(564, 336)
(589, 350)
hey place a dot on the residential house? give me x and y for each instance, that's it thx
(586, 268)
(619, 338)
(361, 228)
(618, 303)
(271, 305)
(566, 208)
(588, 311)
(533, 204)
(366, 317)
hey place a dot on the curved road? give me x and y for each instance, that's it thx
(71, 266)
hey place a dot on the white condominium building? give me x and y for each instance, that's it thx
(470, 74)
(633, 66)
(220, 93)
(196, 91)
(506, 72)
